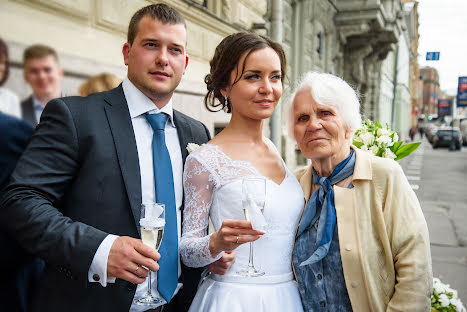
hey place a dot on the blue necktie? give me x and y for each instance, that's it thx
(167, 276)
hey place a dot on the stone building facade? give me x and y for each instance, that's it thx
(431, 90)
(351, 39)
(416, 86)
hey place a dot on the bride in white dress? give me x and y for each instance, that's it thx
(247, 73)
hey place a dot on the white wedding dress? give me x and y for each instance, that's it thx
(213, 188)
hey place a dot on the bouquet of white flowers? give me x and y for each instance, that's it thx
(381, 141)
(444, 298)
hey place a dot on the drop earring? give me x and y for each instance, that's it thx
(226, 104)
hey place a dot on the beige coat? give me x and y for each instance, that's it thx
(383, 237)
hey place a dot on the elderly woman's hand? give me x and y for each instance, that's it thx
(232, 234)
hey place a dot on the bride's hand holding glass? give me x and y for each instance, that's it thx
(232, 234)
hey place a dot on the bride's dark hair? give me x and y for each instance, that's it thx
(226, 57)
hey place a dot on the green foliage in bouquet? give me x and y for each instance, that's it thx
(382, 141)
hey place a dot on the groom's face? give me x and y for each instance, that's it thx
(157, 59)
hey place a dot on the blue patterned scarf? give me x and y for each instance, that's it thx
(324, 198)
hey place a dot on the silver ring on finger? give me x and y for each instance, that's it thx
(238, 236)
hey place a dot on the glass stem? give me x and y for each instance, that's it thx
(149, 284)
(250, 261)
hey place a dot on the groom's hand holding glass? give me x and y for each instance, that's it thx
(232, 234)
(128, 259)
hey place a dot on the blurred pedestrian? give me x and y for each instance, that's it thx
(412, 133)
(43, 73)
(9, 102)
(99, 83)
(420, 130)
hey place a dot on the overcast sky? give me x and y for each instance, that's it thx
(443, 28)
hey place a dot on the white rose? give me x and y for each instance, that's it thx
(458, 304)
(439, 287)
(364, 148)
(387, 153)
(374, 149)
(384, 141)
(382, 131)
(444, 300)
(367, 138)
(358, 135)
(191, 147)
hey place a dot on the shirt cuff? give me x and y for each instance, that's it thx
(98, 271)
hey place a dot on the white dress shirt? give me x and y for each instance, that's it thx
(138, 105)
(38, 108)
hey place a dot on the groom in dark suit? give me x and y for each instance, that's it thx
(75, 196)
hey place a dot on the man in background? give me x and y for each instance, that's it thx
(43, 73)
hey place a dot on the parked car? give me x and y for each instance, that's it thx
(444, 136)
(430, 131)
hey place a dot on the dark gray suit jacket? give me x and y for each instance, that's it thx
(27, 111)
(78, 181)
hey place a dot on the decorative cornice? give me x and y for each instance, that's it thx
(76, 8)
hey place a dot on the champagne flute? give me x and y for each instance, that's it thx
(152, 222)
(253, 197)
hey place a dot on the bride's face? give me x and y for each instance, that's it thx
(258, 90)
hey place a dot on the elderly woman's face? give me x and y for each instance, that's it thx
(319, 130)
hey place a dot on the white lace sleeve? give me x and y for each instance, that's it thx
(198, 185)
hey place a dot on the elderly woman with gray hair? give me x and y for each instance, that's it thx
(362, 242)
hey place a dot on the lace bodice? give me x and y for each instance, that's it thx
(213, 186)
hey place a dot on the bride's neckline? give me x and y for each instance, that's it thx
(249, 164)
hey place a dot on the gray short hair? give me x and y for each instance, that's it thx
(330, 90)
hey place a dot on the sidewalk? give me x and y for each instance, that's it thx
(446, 215)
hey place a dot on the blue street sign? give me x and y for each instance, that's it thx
(432, 56)
(433, 95)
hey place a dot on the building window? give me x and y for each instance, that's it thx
(319, 48)
(301, 160)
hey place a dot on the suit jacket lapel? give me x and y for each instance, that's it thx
(123, 134)
(27, 108)
(184, 132)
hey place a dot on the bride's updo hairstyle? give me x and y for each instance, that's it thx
(227, 57)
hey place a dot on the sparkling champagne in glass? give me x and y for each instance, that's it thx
(152, 224)
(253, 199)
